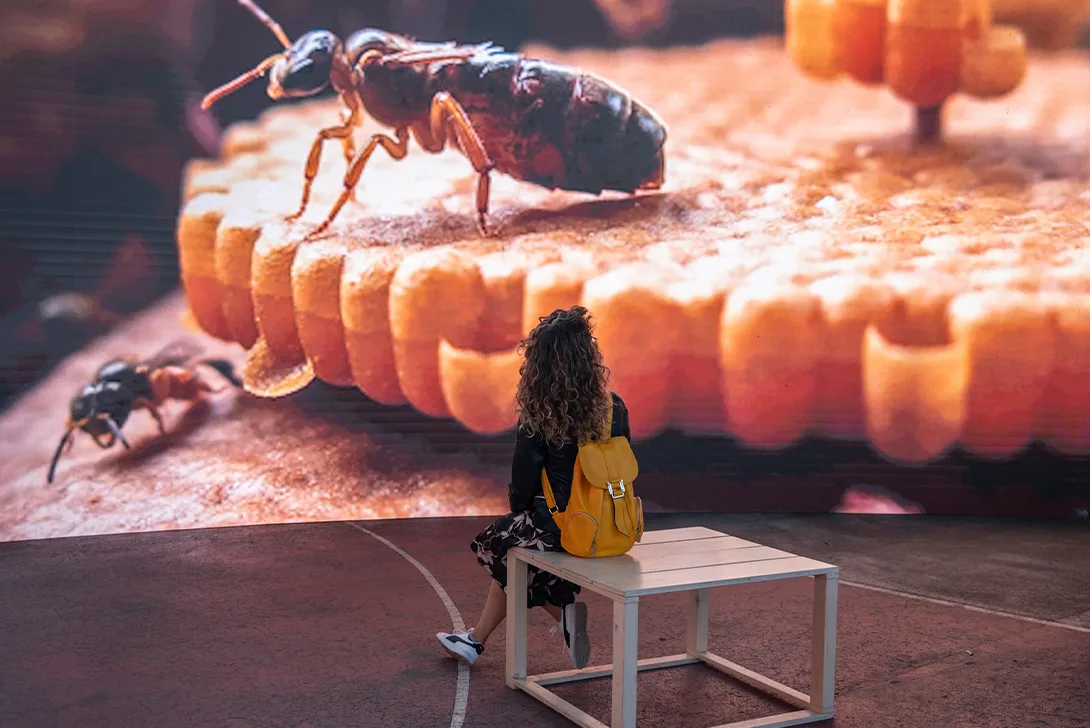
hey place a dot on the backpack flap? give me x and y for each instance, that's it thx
(608, 462)
(611, 466)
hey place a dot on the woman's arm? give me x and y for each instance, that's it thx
(526, 467)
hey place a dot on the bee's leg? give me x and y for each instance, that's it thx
(422, 133)
(348, 143)
(449, 118)
(225, 369)
(65, 443)
(104, 445)
(314, 159)
(116, 432)
(151, 408)
(396, 149)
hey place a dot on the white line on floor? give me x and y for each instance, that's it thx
(461, 693)
(970, 607)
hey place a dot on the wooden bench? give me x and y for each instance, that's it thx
(692, 560)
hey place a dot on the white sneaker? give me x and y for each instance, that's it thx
(573, 623)
(461, 646)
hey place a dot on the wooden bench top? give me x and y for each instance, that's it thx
(678, 560)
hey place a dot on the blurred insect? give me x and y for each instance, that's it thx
(66, 315)
(122, 386)
(634, 19)
(40, 334)
(73, 317)
(539, 122)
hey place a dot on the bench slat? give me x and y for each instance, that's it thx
(689, 533)
(706, 577)
(722, 543)
(645, 553)
(628, 566)
(702, 559)
(669, 562)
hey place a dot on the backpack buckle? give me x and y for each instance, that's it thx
(615, 496)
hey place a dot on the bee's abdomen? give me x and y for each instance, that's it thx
(612, 141)
(581, 133)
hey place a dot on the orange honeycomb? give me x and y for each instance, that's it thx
(798, 275)
(924, 50)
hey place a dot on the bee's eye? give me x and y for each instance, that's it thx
(79, 408)
(309, 64)
(303, 73)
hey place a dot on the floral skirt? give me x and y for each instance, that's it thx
(520, 530)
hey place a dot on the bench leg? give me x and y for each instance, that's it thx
(517, 583)
(823, 655)
(698, 622)
(625, 647)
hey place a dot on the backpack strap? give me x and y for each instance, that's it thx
(550, 499)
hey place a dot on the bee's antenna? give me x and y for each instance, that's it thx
(231, 86)
(269, 22)
(117, 432)
(57, 455)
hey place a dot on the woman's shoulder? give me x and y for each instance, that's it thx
(526, 439)
(526, 435)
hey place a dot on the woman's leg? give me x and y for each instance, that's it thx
(491, 546)
(495, 609)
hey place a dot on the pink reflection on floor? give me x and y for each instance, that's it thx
(875, 499)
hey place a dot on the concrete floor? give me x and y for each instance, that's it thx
(1035, 569)
(325, 625)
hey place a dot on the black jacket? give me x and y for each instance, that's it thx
(532, 453)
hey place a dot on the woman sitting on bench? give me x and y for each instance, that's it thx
(563, 399)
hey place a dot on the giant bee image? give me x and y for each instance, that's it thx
(539, 122)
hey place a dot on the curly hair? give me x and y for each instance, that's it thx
(563, 391)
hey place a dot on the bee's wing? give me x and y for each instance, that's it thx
(435, 54)
(173, 354)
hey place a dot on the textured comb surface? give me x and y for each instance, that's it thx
(801, 272)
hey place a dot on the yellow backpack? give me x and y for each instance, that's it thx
(603, 517)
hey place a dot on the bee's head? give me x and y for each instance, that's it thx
(82, 406)
(305, 68)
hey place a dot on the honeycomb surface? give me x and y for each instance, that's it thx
(803, 271)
